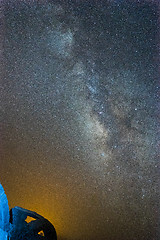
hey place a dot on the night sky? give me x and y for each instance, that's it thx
(79, 115)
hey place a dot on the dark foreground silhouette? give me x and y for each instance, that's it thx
(14, 225)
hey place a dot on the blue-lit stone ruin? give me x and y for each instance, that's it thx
(14, 224)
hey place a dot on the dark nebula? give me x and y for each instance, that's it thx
(80, 115)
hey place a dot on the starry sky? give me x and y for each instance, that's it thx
(79, 115)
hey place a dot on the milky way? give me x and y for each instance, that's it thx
(80, 115)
